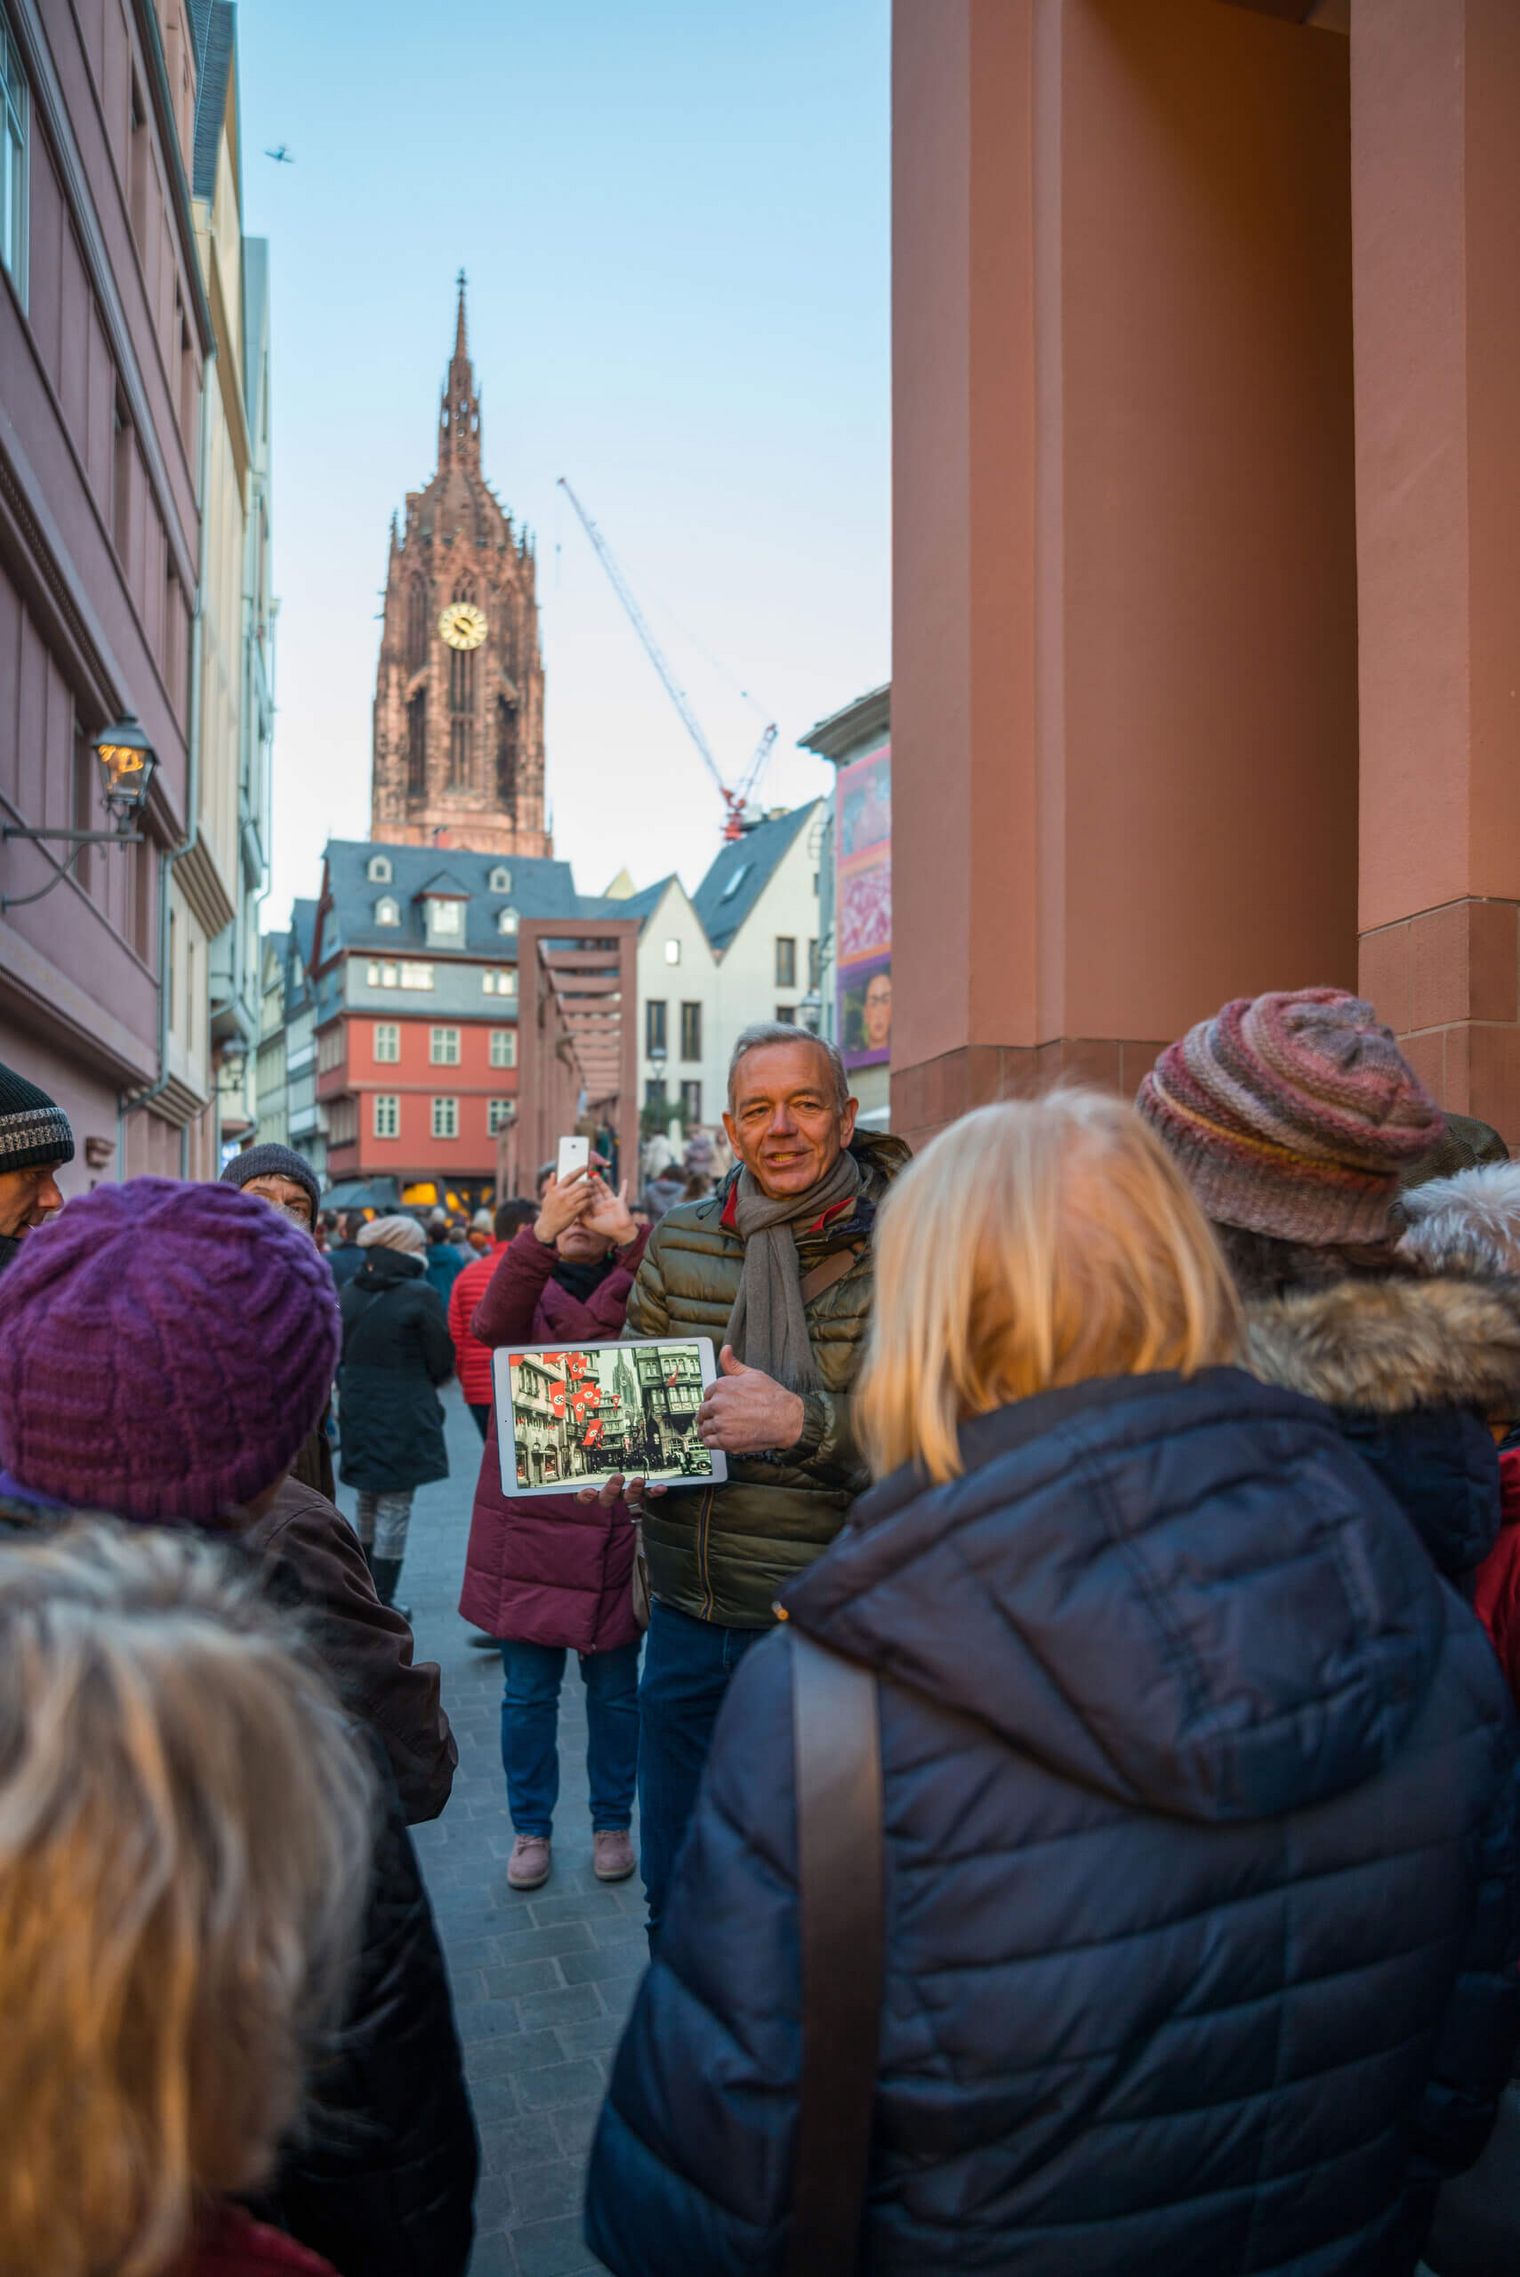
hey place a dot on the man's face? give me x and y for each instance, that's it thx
(784, 1124)
(581, 1245)
(28, 1198)
(877, 1015)
(286, 1195)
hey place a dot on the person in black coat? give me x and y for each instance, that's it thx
(1199, 1790)
(397, 1350)
(221, 1329)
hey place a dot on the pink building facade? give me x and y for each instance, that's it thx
(104, 330)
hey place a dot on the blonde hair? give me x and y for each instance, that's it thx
(185, 1832)
(1031, 1245)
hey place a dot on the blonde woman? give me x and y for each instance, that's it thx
(184, 1844)
(1197, 1789)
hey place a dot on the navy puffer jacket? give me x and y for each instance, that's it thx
(1200, 1820)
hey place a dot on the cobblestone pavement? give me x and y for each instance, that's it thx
(542, 1984)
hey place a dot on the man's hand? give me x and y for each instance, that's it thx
(747, 1413)
(619, 1489)
(561, 1206)
(609, 1213)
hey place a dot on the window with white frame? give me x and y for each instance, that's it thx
(379, 870)
(445, 916)
(499, 1114)
(387, 910)
(415, 976)
(15, 136)
(445, 1118)
(786, 961)
(387, 1042)
(499, 980)
(504, 1047)
(691, 1103)
(672, 952)
(500, 880)
(387, 1115)
(443, 1047)
(506, 921)
(380, 975)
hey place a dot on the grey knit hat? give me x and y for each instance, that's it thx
(33, 1128)
(271, 1161)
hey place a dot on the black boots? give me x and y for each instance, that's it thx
(387, 1572)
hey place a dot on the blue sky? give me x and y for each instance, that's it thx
(674, 216)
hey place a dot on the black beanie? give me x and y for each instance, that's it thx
(271, 1161)
(33, 1128)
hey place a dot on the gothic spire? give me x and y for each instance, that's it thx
(459, 414)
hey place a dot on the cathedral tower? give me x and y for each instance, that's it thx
(459, 698)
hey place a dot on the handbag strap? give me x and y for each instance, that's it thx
(834, 1268)
(842, 1908)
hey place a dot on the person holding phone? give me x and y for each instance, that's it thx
(552, 1575)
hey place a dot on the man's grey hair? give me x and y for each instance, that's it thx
(1466, 1224)
(764, 1033)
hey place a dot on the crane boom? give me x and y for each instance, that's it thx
(652, 648)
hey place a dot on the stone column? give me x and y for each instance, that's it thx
(1435, 86)
(1124, 683)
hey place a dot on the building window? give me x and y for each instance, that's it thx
(380, 975)
(379, 870)
(506, 922)
(787, 1015)
(815, 966)
(672, 952)
(691, 1103)
(655, 1037)
(654, 1093)
(786, 961)
(415, 976)
(506, 762)
(417, 615)
(445, 1118)
(504, 1047)
(691, 1031)
(387, 1042)
(387, 1115)
(498, 980)
(387, 910)
(459, 754)
(498, 1116)
(329, 1050)
(15, 124)
(443, 1047)
(416, 745)
(500, 880)
(445, 916)
(737, 880)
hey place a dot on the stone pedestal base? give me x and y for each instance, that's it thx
(1447, 981)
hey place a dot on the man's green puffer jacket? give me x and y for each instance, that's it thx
(723, 1554)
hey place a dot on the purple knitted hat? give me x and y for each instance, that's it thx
(1292, 1114)
(165, 1350)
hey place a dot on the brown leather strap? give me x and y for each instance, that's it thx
(841, 1902)
(833, 1268)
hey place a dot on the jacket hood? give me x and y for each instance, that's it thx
(1188, 1595)
(1390, 1346)
(383, 1268)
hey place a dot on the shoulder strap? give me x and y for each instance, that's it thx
(841, 1901)
(834, 1268)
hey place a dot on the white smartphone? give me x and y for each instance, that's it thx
(574, 1154)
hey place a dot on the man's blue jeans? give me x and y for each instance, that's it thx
(530, 1728)
(687, 1665)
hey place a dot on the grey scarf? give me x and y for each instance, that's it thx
(768, 1327)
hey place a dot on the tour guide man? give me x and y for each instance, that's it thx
(776, 1268)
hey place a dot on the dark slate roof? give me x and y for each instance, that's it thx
(641, 905)
(539, 889)
(444, 886)
(303, 923)
(742, 872)
(216, 47)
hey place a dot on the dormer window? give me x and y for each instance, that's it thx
(445, 917)
(387, 910)
(500, 880)
(507, 921)
(379, 873)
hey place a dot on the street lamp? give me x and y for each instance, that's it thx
(126, 760)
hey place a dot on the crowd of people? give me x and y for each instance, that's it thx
(1074, 1745)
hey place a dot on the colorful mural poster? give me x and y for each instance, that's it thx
(863, 909)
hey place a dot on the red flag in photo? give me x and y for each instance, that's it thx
(557, 1400)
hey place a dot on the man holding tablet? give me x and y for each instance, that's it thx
(775, 1267)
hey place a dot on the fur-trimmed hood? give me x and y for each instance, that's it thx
(1388, 1346)
(1412, 1370)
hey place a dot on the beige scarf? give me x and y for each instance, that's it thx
(768, 1325)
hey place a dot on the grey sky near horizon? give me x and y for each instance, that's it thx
(675, 224)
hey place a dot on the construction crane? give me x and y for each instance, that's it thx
(736, 800)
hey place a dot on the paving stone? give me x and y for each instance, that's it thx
(529, 2139)
(575, 2127)
(552, 2249)
(489, 2020)
(541, 2193)
(605, 1961)
(561, 2083)
(505, 2058)
(569, 2004)
(512, 1978)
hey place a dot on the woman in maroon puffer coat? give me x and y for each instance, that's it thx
(552, 1575)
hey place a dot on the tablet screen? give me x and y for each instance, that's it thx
(567, 1419)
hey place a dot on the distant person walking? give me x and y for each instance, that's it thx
(396, 1353)
(35, 1143)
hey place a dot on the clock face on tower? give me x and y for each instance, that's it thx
(463, 625)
